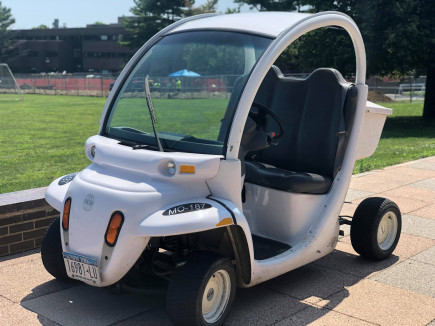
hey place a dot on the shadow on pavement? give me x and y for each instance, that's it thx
(296, 297)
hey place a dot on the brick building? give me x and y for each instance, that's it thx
(91, 49)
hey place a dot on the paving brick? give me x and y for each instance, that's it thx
(19, 258)
(71, 307)
(344, 259)
(261, 306)
(377, 182)
(30, 280)
(424, 165)
(427, 211)
(426, 184)
(427, 256)
(22, 246)
(154, 317)
(406, 204)
(14, 314)
(411, 192)
(382, 304)
(44, 223)
(410, 275)
(21, 227)
(310, 282)
(353, 194)
(315, 316)
(34, 234)
(406, 170)
(423, 227)
(11, 239)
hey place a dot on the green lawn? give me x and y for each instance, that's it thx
(43, 138)
(406, 137)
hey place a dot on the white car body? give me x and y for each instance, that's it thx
(136, 182)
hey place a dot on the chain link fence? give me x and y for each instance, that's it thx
(77, 84)
(409, 89)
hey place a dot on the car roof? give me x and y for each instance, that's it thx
(263, 23)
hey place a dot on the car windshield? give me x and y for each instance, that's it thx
(195, 80)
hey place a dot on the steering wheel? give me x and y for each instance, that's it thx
(266, 120)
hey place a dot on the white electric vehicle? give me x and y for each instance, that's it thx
(220, 171)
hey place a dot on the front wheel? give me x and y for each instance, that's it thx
(375, 229)
(202, 291)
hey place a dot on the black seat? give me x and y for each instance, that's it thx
(316, 112)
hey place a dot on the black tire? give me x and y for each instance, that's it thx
(366, 224)
(51, 252)
(184, 303)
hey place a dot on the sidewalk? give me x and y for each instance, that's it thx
(339, 289)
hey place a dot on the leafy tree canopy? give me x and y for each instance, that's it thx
(6, 20)
(399, 37)
(150, 16)
(41, 27)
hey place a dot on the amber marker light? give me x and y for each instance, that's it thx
(65, 216)
(115, 224)
(187, 169)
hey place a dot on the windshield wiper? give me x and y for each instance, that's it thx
(151, 110)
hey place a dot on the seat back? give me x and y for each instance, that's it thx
(312, 111)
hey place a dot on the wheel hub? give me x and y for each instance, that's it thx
(216, 296)
(387, 230)
(210, 294)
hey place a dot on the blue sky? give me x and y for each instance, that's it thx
(74, 13)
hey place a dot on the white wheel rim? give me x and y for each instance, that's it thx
(216, 296)
(387, 230)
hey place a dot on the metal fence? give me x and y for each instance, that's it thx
(404, 89)
(80, 85)
(408, 89)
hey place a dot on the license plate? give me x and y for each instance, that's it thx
(82, 268)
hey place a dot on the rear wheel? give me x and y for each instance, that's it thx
(375, 229)
(51, 252)
(202, 291)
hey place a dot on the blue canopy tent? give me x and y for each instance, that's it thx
(184, 73)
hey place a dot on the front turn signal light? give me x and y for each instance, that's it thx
(65, 216)
(113, 229)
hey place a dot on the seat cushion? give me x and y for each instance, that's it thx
(301, 182)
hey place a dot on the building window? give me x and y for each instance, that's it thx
(104, 37)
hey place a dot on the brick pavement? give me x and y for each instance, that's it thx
(339, 289)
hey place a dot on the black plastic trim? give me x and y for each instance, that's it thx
(224, 206)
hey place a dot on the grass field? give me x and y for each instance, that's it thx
(406, 137)
(43, 138)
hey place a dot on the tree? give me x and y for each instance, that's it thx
(399, 36)
(270, 5)
(41, 27)
(6, 20)
(150, 16)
